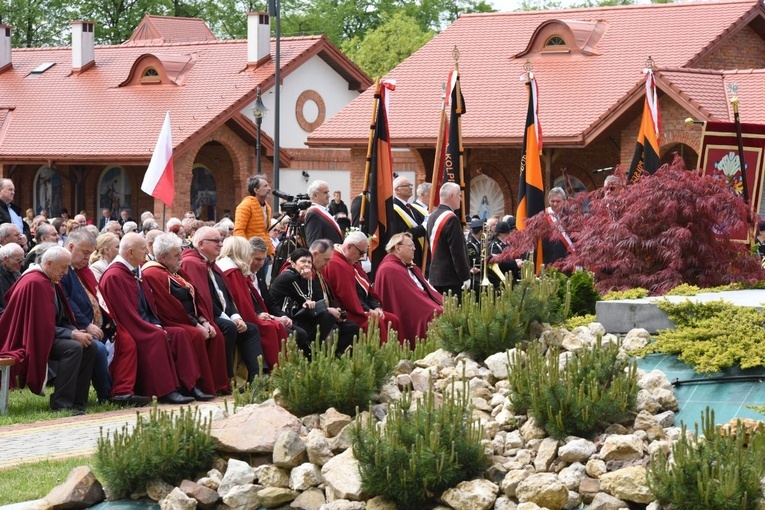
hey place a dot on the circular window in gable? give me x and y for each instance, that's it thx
(310, 110)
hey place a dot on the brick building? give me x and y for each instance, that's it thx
(78, 124)
(588, 64)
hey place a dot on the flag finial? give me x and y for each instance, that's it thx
(528, 66)
(456, 55)
(733, 90)
(649, 63)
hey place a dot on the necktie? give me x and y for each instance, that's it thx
(409, 208)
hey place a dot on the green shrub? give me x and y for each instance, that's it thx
(418, 453)
(497, 321)
(259, 390)
(596, 387)
(635, 293)
(717, 472)
(584, 295)
(165, 446)
(579, 320)
(713, 335)
(344, 382)
(685, 289)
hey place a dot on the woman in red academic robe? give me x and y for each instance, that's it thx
(404, 291)
(234, 263)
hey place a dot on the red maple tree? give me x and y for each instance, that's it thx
(668, 228)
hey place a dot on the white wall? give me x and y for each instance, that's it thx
(315, 75)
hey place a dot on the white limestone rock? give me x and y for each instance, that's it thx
(628, 484)
(513, 477)
(272, 497)
(289, 450)
(317, 447)
(546, 454)
(622, 447)
(471, 495)
(270, 475)
(238, 473)
(312, 499)
(158, 489)
(576, 450)
(332, 421)
(304, 477)
(341, 473)
(242, 497)
(177, 500)
(571, 476)
(636, 339)
(254, 429)
(603, 501)
(544, 489)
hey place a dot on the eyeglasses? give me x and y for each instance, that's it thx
(216, 241)
(362, 253)
(405, 186)
(407, 245)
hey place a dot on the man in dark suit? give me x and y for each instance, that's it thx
(106, 217)
(9, 212)
(319, 223)
(407, 218)
(449, 267)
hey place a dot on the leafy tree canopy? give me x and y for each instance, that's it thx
(667, 229)
(387, 45)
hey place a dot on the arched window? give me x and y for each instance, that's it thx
(486, 198)
(555, 42)
(150, 75)
(204, 196)
(48, 191)
(114, 191)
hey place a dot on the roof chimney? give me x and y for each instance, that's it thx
(83, 56)
(258, 38)
(5, 47)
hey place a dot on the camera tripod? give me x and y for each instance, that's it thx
(294, 237)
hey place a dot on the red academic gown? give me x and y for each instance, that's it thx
(148, 360)
(242, 292)
(194, 270)
(210, 353)
(28, 326)
(346, 281)
(400, 295)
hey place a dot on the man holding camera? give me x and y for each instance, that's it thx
(319, 223)
(253, 215)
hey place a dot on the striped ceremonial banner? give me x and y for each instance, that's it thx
(646, 158)
(531, 194)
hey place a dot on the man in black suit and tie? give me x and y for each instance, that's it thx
(319, 223)
(407, 218)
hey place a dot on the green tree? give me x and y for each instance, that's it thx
(116, 19)
(388, 45)
(36, 22)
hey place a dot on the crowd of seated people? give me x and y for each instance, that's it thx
(177, 314)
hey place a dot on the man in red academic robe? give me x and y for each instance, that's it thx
(38, 325)
(198, 268)
(404, 291)
(351, 287)
(145, 361)
(177, 306)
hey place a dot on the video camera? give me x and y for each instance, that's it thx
(294, 203)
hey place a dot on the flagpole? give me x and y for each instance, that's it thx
(733, 88)
(456, 55)
(368, 165)
(438, 161)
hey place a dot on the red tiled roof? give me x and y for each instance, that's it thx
(58, 115)
(171, 29)
(707, 91)
(577, 92)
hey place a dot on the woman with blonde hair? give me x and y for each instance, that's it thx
(107, 248)
(234, 263)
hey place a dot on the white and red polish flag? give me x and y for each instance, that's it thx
(159, 180)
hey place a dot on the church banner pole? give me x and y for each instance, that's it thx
(368, 164)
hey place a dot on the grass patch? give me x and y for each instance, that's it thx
(26, 407)
(27, 482)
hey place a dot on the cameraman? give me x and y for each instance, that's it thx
(319, 223)
(253, 215)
